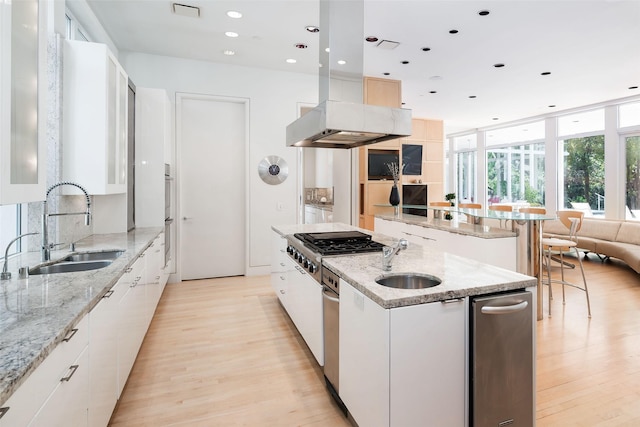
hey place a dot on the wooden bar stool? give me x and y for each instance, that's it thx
(561, 246)
(502, 208)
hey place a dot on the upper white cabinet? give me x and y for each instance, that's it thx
(153, 133)
(95, 118)
(22, 93)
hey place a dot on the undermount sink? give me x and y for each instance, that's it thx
(408, 281)
(71, 266)
(82, 261)
(94, 256)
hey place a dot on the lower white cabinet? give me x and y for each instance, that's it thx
(402, 366)
(131, 320)
(103, 356)
(57, 389)
(68, 403)
(300, 295)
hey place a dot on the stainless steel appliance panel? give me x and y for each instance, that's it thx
(502, 360)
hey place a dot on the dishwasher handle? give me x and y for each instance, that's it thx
(326, 293)
(506, 309)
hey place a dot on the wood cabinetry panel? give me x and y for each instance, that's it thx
(384, 92)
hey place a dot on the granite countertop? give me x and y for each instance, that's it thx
(38, 312)
(461, 277)
(451, 226)
(320, 205)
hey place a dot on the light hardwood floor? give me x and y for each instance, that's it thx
(222, 352)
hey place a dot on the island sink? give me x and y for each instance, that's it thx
(408, 281)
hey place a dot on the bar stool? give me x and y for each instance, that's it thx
(573, 220)
(502, 208)
(436, 213)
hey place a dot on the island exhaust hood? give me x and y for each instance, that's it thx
(341, 120)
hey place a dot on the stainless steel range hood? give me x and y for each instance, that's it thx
(343, 121)
(339, 124)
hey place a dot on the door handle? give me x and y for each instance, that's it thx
(330, 298)
(505, 309)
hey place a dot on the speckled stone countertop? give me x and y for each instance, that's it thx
(38, 312)
(461, 277)
(452, 226)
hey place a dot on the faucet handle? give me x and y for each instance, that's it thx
(54, 245)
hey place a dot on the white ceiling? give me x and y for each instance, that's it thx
(589, 47)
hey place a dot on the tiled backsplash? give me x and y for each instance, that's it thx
(318, 196)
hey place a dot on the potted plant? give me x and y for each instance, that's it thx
(450, 197)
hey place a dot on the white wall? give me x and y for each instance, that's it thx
(273, 97)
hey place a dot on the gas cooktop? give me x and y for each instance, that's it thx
(339, 242)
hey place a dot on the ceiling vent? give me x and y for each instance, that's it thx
(388, 44)
(186, 10)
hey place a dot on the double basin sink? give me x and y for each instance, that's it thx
(82, 261)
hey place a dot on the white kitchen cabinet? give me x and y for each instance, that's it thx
(67, 405)
(364, 357)
(428, 364)
(402, 366)
(132, 320)
(34, 393)
(23, 89)
(154, 257)
(300, 295)
(153, 139)
(103, 356)
(95, 118)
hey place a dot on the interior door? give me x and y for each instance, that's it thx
(211, 138)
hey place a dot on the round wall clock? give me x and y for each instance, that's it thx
(273, 170)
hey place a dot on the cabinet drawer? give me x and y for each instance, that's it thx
(27, 400)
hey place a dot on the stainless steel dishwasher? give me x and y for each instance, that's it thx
(331, 319)
(502, 360)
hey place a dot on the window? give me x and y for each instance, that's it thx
(583, 165)
(466, 166)
(10, 220)
(629, 114)
(516, 173)
(74, 30)
(632, 148)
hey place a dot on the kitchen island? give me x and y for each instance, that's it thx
(405, 354)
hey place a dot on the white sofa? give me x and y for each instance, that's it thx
(606, 238)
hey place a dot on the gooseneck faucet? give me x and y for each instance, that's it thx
(46, 247)
(5, 275)
(388, 252)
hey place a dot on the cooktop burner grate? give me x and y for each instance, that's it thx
(339, 243)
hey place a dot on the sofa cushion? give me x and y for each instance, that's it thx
(587, 243)
(554, 227)
(599, 229)
(629, 232)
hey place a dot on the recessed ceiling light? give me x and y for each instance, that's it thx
(301, 45)
(545, 73)
(186, 10)
(327, 50)
(426, 49)
(498, 65)
(342, 62)
(472, 96)
(552, 106)
(633, 87)
(484, 13)
(453, 31)
(495, 118)
(234, 14)
(386, 74)
(371, 39)
(435, 78)
(231, 34)
(404, 62)
(433, 91)
(312, 29)
(291, 61)
(229, 52)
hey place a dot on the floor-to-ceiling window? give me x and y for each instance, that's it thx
(629, 118)
(466, 158)
(515, 164)
(10, 227)
(581, 142)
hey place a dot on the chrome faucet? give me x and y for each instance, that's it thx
(5, 275)
(46, 246)
(388, 252)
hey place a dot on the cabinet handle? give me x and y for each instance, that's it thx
(487, 309)
(451, 301)
(282, 278)
(282, 264)
(71, 334)
(282, 291)
(128, 270)
(4, 410)
(108, 294)
(73, 368)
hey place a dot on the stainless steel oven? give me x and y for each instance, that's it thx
(167, 212)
